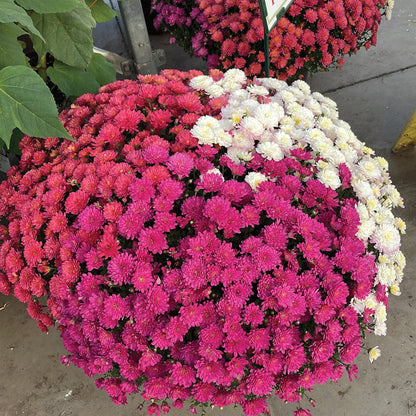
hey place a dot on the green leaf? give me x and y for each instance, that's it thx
(11, 13)
(68, 35)
(51, 6)
(26, 103)
(73, 82)
(101, 12)
(11, 52)
(101, 69)
(14, 142)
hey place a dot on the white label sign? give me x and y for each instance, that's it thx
(273, 9)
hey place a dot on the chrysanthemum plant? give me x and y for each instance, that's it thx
(208, 238)
(312, 36)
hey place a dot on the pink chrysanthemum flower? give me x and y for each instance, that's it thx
(91, 218)
(120, 268)
(128, 120)
(155, 154)
(182, 374)
(153, 240)
(180, 164)
(260, 382)
(76, 202)
(33, 252)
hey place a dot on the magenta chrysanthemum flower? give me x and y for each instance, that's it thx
(182, 374)
(180, 164)
(120, 268)
(33, 252)
(91, 218)
(153, 240)
(116, 307)
(128, 120)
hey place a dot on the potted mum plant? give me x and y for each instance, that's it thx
(209, 238)
(312, 36)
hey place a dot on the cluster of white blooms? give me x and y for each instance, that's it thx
(389, 8)
(270, 117)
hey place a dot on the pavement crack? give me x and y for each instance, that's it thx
(361, 81)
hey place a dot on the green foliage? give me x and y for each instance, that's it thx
(47, 43)
(25, 103)
(101, 12)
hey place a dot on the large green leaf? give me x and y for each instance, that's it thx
(101, 12)
(51, 6)
(11, 13)
(11, 52)
(73, 82)
(27, 104)
(68, 35)
(102, 70)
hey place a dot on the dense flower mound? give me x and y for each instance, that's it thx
(313, 34)
(211, 238)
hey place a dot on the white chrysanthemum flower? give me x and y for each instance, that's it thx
(287, 121)
(373, 206)
(382, 163)
(362, 211)
(249, 106)
(242, 142)
(214, 90)
(237, 155)
(329, 102)
(395, 290)
(284, 140)
(303, 86)
(252, 125)
(374, 353)
(387, 238)
(235, 75)
(204, 134)
(302, 117)
(216, 172)
(400, 259)
(394, 195)
(323, 145)
(362, 189)
(389, 9)
(381, 313)
(239, 95)
(223, 138)
(287, 97)
(314, 136)
(270, 151)
(329, 176)
(230, 85)
(254, 179)
(313, 105)
(208, 121)
(269, 115)
(380, 329)
(257, 90)
(225, 124)
(386, 274)
(201, 82)
(326, 124)
(370, 302)
(342, 134)
(272, 83)
(366, 229)
(369, 169)
(297, 92)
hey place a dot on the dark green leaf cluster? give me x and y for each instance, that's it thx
(46, 60)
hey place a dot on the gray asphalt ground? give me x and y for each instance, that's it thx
(376, 94)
